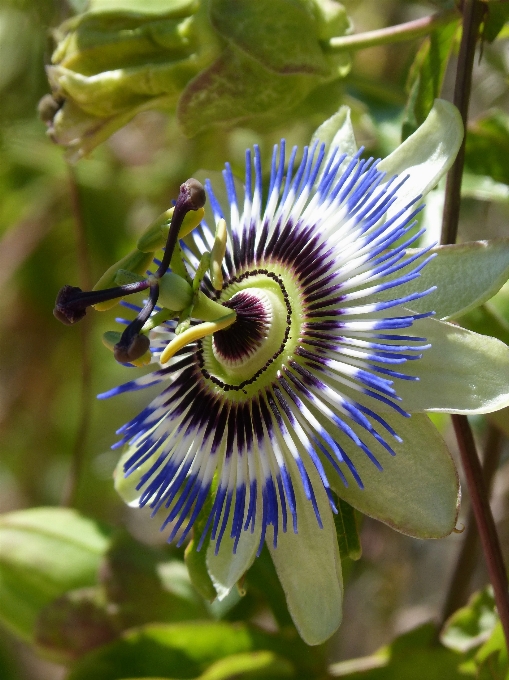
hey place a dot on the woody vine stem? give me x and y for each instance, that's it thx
(473, 12)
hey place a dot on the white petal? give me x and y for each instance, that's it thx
(417, 492)
(337, 133)
(427, 154)
(309, 566)
(226, 568)
(463, 372)
(465, 274)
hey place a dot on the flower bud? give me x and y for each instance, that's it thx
(212, 62)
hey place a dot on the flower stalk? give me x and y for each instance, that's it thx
(473, 12)
(410, 30)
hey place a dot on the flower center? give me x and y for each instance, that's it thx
(237, 357)
(238, 343)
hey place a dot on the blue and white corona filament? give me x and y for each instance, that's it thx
(317, 345)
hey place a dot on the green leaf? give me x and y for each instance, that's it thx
(346, 531)
(414, 655)
(426, 76)
(178, 651)
(74, 624)
(466, 275)
(483, 188)
(250, 666)
(471, 625)
(487, 146)
(279, 34)
(497, 13)
(146, 586)
(491, 659)
(43, 553)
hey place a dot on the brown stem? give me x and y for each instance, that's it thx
(473, 12)
(483, 517)
(468, 555)
(71, 486)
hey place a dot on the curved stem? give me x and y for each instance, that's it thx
(469, 552)
(472, 17)
(484, 518)
(473, 11)
(72, 481)
(407, 31)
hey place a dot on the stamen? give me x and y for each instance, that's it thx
(196, 333)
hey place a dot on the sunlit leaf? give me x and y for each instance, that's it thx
(413, 655)
(74, 624)
(471, 625)
(177, 651)
(43, 553)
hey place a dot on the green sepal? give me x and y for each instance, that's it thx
(486, 321)
(346, 531)
(136, 262)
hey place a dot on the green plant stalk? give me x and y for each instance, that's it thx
(71, 486)
(399, 33)
(473, 12)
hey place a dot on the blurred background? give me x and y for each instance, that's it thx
(62, 223)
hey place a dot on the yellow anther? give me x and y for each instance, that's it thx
(217, 255)
(196, 333)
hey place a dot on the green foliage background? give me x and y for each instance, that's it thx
(108, 599)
